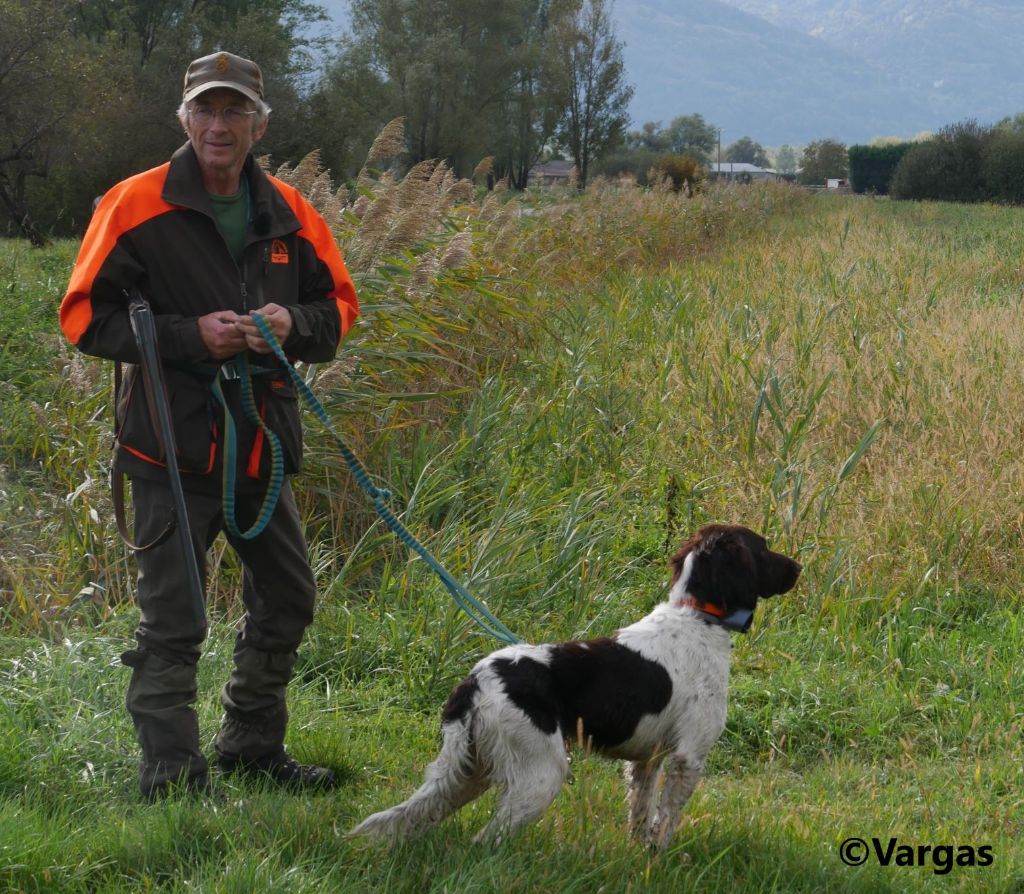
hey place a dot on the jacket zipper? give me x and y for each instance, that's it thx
(266, 273)
(259, 283)
(245, 290)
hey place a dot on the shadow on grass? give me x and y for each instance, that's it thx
(540, 858)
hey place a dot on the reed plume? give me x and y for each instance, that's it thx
(389, 143)
(484, 167)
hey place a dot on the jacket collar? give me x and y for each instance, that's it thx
(269, 213)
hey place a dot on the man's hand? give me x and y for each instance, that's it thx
(278, 318)
(222, 334)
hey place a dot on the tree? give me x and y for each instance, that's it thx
(354, 91)
(526, 116)
(951, 167)
(651, 136)
(50, 84)
(1002, 165)
(598, 94)
(823, 160)
(1011, 124)
(920, 173)
(692, 135)
(687, 136)
(89, 89)
(470, 77)
(964, 144)
(745, 150)
(785, 160)
(134, 26)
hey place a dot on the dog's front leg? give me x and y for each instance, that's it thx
(642, 782)
(681, 777)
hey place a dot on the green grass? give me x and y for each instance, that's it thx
(843, 374)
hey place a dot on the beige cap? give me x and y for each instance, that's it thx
(223, 70)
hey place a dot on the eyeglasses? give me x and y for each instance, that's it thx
(231, 116)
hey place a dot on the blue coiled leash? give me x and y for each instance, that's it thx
(476, 611)
(240, 367)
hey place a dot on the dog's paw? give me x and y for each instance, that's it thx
(665, 837)
(657, 834)
(491, 836)
(646, 836)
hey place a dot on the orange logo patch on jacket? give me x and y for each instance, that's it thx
(278, 252)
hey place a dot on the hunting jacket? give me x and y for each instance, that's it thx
(157, 231)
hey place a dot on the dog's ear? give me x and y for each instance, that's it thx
(722, 570)
(732, 571)
(677, 561)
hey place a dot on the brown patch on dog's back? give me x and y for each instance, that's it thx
(461, 700)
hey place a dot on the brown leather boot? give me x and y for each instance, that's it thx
(251, 738)
(281, 768)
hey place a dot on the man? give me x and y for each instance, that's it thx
(209, 239)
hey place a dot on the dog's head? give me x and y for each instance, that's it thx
(730, 567)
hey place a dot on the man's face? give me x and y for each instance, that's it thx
(222, 127)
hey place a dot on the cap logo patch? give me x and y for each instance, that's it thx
(222, 63)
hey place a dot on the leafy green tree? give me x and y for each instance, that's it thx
(965, 143)
(89, 89)
(920, 172)
(355, 92)
(526, 116)
(1012, 123)
(444, 68)
(1002, 165)
(688, 135)
(745, 150)
(692, 135)
(786, 160)
(598, 94)
(471, 78)
(161, 36)
(822, 160)
(56, 95)
(951, 167)
(651, 136)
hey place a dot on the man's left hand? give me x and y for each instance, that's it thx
(278, 318)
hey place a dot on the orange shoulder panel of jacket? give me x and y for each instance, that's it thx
(315, 230)
(122, 208)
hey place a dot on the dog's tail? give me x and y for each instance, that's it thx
(455, 778)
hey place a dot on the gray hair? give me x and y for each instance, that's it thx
(262, 111)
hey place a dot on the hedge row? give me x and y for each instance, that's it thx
(872, 167)
(964, 162)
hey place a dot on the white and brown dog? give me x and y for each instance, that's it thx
(653, 694)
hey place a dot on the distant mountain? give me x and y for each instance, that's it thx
(792, 71)
(962, 58)
(752, 77)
